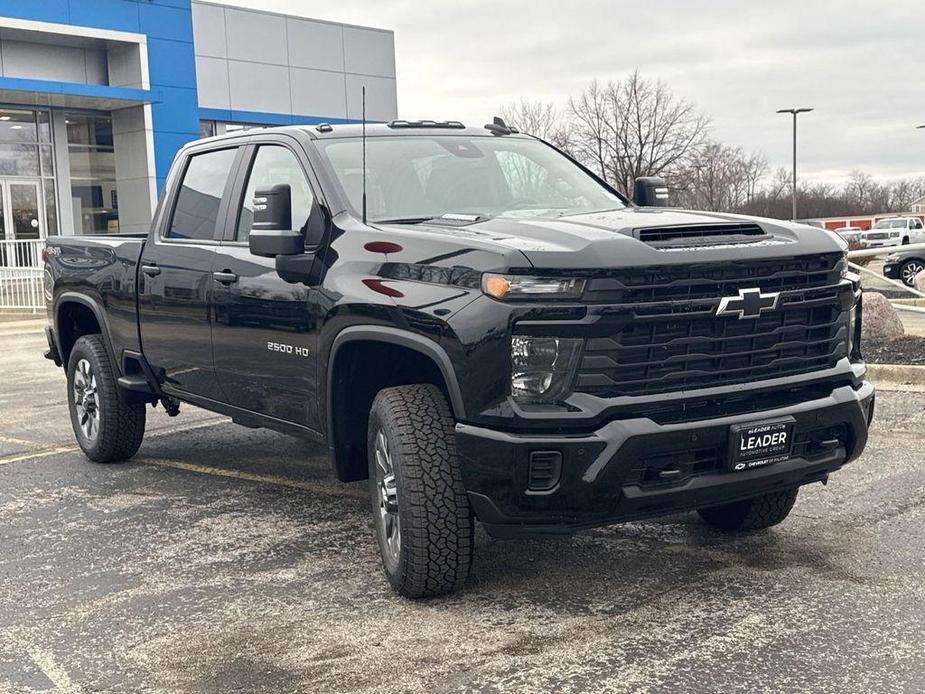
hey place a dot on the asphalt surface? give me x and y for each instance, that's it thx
(225, 559)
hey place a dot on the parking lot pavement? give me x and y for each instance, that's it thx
(225, 559)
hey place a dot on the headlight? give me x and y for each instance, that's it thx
(526, 287)
(541, 367)
(851, 276)
(894, 234)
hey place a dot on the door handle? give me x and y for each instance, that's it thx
(225, 277)
(151, 270)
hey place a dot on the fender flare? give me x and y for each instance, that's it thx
(403, 338)
(98, 312)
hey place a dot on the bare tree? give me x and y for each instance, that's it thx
(634, 127)
(539, 118)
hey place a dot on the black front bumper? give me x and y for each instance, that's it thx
(616, 473)
(891, 270)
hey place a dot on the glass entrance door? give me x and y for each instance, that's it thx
(21, 221)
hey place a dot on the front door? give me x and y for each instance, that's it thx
(21, 219)
(264, 334)
(175, 278)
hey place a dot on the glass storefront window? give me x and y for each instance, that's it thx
(19, 160)
(27, 164)
(209, 128)
(93, 173)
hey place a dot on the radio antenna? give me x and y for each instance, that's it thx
(364, 152)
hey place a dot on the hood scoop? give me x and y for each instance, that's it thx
(687, 235)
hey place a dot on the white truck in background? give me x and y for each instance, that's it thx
(895, 231)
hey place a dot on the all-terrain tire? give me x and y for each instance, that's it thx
(120, 425)
(434, 554)
(756, 513)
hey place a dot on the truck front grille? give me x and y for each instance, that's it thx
(673, 341)
(878, 235)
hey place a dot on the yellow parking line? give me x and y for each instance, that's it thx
(37, 454)
(316, 487)
(40, 452)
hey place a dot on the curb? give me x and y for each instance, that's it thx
(22, 327)
(896, 376)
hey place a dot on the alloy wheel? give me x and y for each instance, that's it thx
(910, 270)
(86, 400)
(386, 490)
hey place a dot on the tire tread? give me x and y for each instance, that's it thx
(122, 425)
(438, 544)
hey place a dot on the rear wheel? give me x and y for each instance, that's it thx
(107, 429)
(756, 513)
(909, 269)
(421, 513)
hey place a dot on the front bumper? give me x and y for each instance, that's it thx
(615, 473)
(891, 270)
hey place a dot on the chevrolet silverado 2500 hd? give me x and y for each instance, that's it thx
(477, 324)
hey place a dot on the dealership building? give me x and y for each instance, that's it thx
(96, 97)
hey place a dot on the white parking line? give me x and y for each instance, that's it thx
(53, 671)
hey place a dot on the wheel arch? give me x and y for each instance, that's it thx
(76, 315)
(373, 358)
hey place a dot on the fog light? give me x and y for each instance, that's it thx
(541, 367)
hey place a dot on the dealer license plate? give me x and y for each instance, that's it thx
(760, 443)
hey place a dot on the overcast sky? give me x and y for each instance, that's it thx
(861, 65)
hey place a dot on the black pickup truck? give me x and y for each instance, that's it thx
(476, 324)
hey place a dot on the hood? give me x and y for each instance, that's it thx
(612, 239)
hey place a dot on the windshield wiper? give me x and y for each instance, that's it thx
(446, 218)
(404, 220)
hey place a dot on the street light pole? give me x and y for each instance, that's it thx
(794, 112)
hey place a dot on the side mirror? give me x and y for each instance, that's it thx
(271, 232)
(273, 208)
(274, 242)
(650, 191)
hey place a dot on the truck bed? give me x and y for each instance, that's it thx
(102, 268)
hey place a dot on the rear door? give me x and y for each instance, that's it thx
(266, 328)
(175, 279)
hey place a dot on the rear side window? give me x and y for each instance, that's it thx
(196, 211)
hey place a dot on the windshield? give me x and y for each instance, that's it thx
(890, 224)
(417, 177)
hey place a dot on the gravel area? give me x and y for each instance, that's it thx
(908, 349)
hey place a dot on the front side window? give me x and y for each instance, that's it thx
(196, 210)
(275, 165)
(409, 177)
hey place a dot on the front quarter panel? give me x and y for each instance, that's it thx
(405, 280)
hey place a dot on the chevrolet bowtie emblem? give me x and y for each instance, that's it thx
(748, 304)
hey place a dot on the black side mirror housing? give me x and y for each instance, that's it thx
(273, 208)
(271, 232)
(650, 191)
(274, 242)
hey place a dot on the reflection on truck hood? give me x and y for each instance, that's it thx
(606, 239)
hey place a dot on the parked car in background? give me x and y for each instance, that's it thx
(851, 236)
(896, 231)
(904, 266)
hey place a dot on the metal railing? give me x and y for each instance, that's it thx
(21, 275)
(874, 252)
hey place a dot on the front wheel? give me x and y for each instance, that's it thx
(909, 269)
(107, 429)
(421, 513)
(756, 513)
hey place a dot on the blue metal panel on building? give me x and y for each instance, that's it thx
(168, 25)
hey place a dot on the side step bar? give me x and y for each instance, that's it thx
(136, 384)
